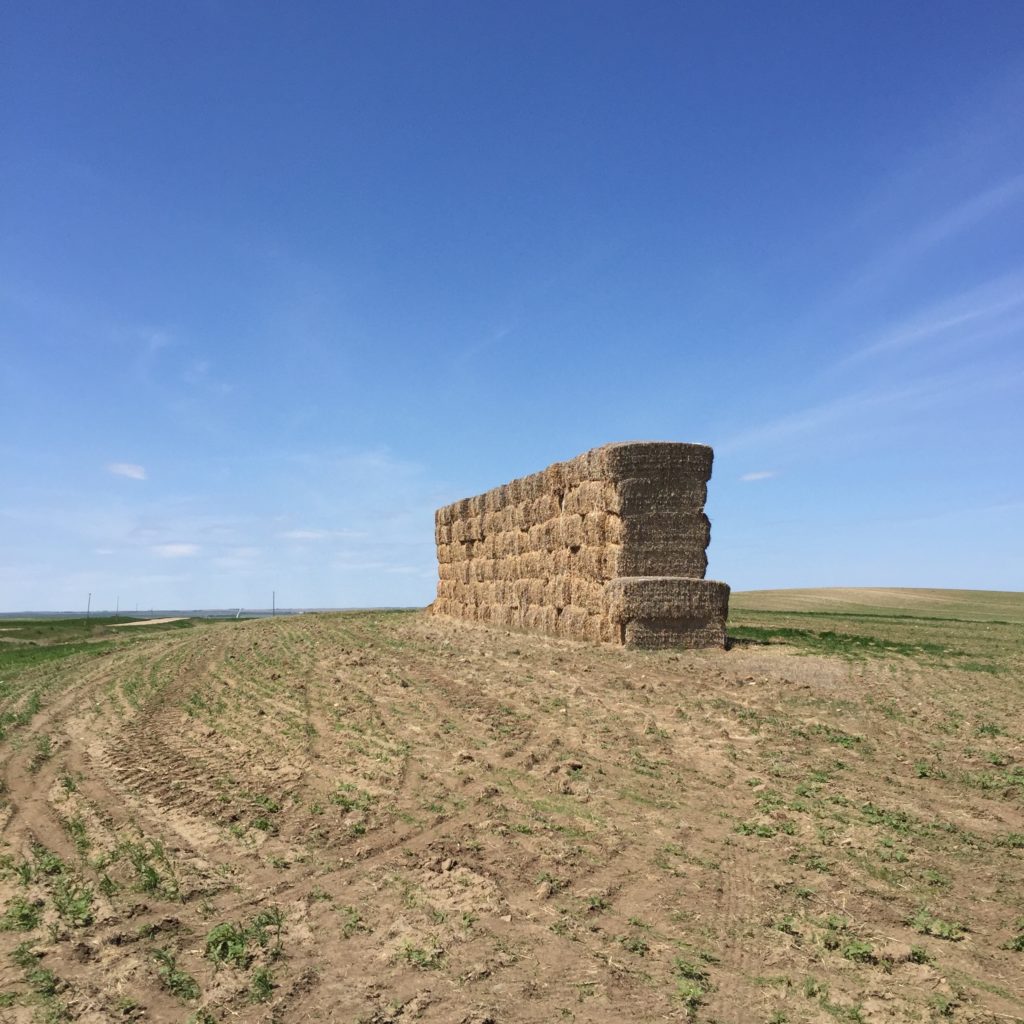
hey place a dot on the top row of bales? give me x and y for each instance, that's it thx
(610, 464)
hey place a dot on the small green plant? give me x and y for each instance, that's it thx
(351, 922)
(692, 982)
(750, 828)
(178, 982)
(814, 988)
(46, 862)
(79, 835)
(227, 944)
(928, 924)
(423, 959)
(860, 952)
(920, 955)
(43, 752)
(635, 944)
(261, 986)
(21, 915)
(73, 902)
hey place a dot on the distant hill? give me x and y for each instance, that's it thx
(971, 605)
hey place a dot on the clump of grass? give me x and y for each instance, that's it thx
(79, 835)
(73, 901)
(43, 752)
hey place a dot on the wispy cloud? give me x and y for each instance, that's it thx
(941, 228)
(979, 311)
(761, 474)
(868, 409)
(175, 550)
(315, 535)
(129, 469)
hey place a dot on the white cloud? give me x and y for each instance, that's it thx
(128, 469)
(761, 474)
(175, 550)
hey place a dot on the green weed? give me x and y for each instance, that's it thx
(178, 982)
(928, 924)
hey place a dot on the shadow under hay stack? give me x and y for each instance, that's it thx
(608, 546)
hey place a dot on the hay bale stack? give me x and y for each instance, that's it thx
(609, 546)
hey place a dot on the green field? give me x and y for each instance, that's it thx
(971, 630)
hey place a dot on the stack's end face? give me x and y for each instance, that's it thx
(668, 611)
(607, 546)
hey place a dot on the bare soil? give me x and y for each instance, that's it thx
(376, 817)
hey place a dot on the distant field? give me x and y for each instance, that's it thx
(388, 818)
(976, 605)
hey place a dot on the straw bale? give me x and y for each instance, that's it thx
(572, 621)
(554, 482)
(587, 594)
(613, 529)
(652, 634)
(609, 632)
(547, 507)
(594, 527)
(643, 495)
(551, 536)
(542, 620)
(558, 592)
(560, 562)
(656, 458)
(494, 499)
(665, 544)
(665, 597)
(591, 496)
(591, 561)
(572, 530)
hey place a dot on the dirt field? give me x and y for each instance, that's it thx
(375, 817)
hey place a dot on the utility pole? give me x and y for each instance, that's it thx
(88, 608)
(273, 603)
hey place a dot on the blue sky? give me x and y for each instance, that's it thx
(278, 280)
